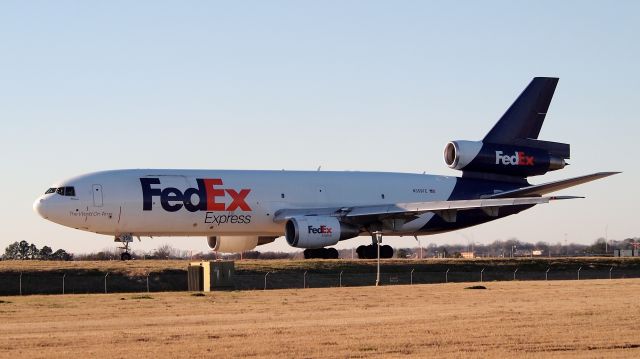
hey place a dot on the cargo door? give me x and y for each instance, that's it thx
(97, 195)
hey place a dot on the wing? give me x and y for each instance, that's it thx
(413, 209)
(525, 196)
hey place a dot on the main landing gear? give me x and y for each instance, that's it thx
(321, 253)
(125, 239)
(370, 251)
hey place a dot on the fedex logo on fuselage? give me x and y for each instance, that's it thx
(210, 196)
(320, 230)
(518, 159)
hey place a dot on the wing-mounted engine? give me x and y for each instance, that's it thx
(503, 159)
(317, 231)
(236, 244)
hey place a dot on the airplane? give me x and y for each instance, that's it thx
(238, 210)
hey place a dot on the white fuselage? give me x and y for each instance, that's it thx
(235, 202)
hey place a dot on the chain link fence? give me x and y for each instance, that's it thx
(73, 283)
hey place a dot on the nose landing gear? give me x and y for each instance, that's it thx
(125, 239)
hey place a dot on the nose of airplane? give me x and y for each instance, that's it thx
(39, 207)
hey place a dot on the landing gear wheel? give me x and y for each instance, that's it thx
(386, 251)
(370, 252)
(125, 239)
(322, 253)
(308, 253)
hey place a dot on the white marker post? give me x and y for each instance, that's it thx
(265, 280)
(304, 279)
(378, 240)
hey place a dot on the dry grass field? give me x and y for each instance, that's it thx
(596, 318)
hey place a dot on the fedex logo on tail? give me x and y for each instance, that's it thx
(518, 159)
(210, 196)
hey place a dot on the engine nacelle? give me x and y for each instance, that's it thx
(317, 231)
(500, 159)
(236, 244)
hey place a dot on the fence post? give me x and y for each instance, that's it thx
(514, 273)
(446, 276)
(481, 272)
(579, 269)
(546, 274)
(610, 269)
(63, 275)
(265, 280)
(20, 283)
(412, 275)
(341, 278)
(304, 279)
(105, 282)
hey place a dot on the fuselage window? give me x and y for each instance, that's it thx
(70, 191)
(60, 191)
(51, 190)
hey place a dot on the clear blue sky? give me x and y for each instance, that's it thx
(359, 85)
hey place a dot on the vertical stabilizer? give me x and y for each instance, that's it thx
(525, 116)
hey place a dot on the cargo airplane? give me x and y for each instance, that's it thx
(239, 210)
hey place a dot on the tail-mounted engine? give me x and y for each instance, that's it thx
(317, 231)
(503, 159)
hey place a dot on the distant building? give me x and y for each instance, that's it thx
(536, 252)
(468, 254)
(626, 253)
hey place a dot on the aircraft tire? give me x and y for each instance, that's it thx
(361, 252)
(308, 254)
(321, 253)
(386, 251)
(371, 253)
(332, 253)
(125, 256)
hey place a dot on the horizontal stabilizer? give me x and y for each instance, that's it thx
(542, 189)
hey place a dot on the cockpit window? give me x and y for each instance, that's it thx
(63, 191)
(70, 191)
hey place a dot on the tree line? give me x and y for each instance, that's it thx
(24, 250)
(507, 248)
